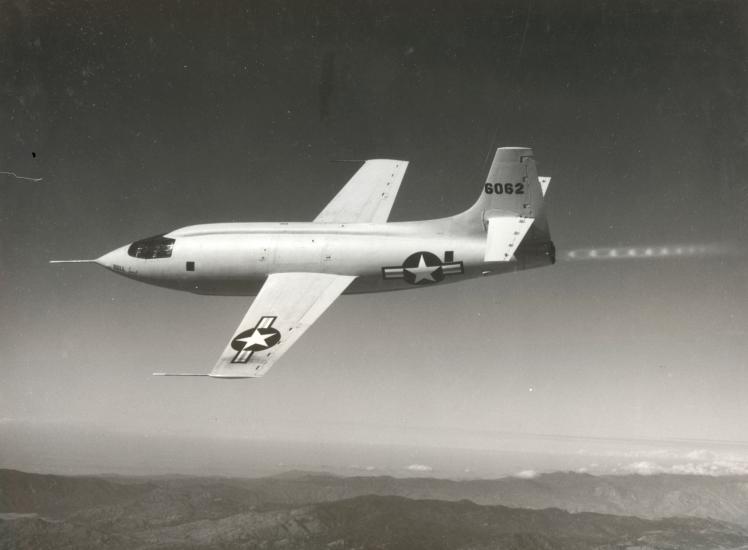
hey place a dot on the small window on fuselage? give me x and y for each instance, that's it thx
(190, 266)
(152, 248)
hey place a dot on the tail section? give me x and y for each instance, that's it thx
(510, 207)
(512, 188)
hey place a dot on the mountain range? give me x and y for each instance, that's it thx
(306, 510)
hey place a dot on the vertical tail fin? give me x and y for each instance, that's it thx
(512, 185)
(510, 206)
(512, 189)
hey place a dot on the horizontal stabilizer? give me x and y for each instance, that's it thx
(505, 233)
(544, 182)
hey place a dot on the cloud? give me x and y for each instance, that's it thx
(696, 462)
(526, 474)
(676, 460)
(362, 468)
(644, 467)
(701, 454)
(420, 468)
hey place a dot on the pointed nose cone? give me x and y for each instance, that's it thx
(115, 257)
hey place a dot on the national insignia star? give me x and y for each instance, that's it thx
(423, 272)
(256, 338)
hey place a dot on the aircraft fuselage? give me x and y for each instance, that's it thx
(234, 259)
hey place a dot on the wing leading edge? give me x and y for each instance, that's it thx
(368, 196)
(285, 307)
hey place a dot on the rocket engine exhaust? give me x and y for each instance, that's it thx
(704, 250)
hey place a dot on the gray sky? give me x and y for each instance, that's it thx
(148, 116)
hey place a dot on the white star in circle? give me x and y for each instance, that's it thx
(256, 338)
(423, 272)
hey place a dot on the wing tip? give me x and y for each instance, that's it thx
(382, 159)
(178, 374)
(207, 375)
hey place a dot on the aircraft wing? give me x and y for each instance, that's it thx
(287, 305)
(369, 194)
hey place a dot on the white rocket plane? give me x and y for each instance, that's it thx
(297, 270)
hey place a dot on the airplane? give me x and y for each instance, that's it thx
(296, 270)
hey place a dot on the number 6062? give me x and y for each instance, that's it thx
(505, 188)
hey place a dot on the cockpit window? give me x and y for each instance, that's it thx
(152, 247)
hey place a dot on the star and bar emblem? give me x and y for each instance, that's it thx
(424, 268)
(259, 338)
